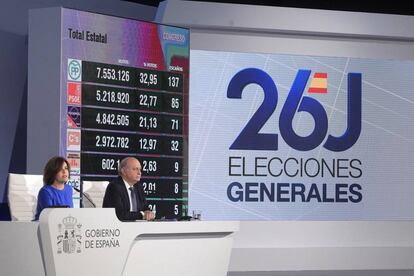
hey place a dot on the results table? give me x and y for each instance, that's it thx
(128, 111)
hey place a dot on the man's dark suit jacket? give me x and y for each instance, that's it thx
(116, 196)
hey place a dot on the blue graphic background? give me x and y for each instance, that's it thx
(385, 145)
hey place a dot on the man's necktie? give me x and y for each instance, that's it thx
(133, 200)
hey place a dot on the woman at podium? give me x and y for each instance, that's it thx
(55, 192)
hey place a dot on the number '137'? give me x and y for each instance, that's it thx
(250, 138)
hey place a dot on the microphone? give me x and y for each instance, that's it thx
(86, 196)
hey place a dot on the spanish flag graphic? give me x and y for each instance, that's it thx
(319, 83)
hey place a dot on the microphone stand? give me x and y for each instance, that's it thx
(86, 196)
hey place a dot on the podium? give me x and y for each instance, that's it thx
(94, 242)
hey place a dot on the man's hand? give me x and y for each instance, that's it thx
(149, 215)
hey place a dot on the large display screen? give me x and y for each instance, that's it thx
(293, 137)
(124, 93)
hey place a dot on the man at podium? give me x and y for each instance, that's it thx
(126, 195)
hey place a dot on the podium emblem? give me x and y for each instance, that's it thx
(69, 239)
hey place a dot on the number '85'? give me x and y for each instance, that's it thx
(250, 138)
